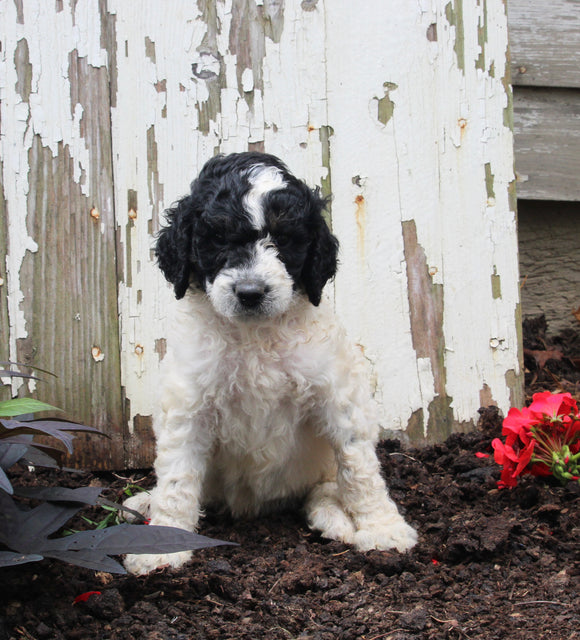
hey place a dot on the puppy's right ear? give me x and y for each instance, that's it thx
(174, 245)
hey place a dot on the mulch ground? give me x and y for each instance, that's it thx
(489, 564)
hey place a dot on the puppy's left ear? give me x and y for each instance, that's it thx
(321, 261)
(173, 248)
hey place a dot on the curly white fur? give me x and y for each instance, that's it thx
(255, 412)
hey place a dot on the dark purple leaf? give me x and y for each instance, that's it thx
(140, 518)
(7, 373)
(10, 521)
(24, 531)
(84, 495)
(88, 559)
(37, 454)
(134, 538)
(12, 449)
(4, 482)
(44, 456)
(9, 558)
(28, 366)
(27, 532)
(55, 428)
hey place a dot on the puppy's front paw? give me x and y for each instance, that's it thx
(396, 534)
(140, 564)
(139, 502)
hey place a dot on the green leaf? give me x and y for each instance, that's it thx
(20, 406)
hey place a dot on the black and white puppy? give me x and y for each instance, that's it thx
(263, 398)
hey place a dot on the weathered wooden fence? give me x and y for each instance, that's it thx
(402, 110)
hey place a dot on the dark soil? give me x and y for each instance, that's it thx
(489, 564)
(551, 361)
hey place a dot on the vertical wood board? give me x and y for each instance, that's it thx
(216, 77)
(426, 212)
(60, 263)
(550, 281)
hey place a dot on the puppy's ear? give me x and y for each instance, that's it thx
(174, 245)
(321, 261)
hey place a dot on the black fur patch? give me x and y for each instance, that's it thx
(210, 230)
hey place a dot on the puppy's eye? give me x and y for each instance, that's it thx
(217, 238)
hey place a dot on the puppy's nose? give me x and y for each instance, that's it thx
(250, 294)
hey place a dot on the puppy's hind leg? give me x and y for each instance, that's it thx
(326, 514)
(364, 494)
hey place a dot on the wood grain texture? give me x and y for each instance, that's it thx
(547, 143)
(61, 225)
(545, 42)
(4, 320)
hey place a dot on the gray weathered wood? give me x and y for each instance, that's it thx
(4, 326)
(545, 42)
(547, 143)
(69, 283)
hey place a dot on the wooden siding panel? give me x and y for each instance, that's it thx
(422, 175)
(4, 322)
(545, 42)
(61, 265)
(221, 77)
(547, 143)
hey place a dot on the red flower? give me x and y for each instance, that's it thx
(542, 439)
(513, 457)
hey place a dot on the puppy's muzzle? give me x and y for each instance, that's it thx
(250, 293)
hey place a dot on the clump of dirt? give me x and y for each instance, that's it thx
(489, 564)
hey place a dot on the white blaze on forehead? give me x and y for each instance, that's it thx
(263, 180)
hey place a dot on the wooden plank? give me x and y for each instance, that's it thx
(4, 324)
(547, 143)
(422, 172)
(545, 42)
(62, 266)
(292, 78)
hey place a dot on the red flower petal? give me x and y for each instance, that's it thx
(553, 404)
(85, 596)
(479, 454)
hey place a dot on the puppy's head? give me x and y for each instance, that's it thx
(250, 235)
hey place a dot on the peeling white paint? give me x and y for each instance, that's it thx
(50, 37)
(293, 68)
(313, 100)
(247, 80)
(414, 173)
